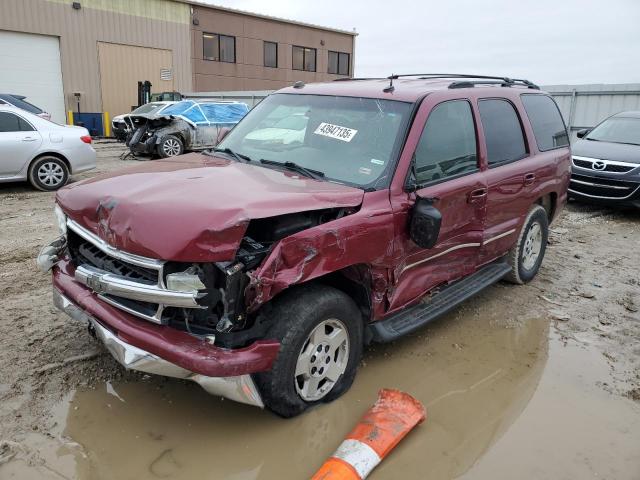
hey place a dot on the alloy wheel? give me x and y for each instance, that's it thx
(171, 147)
(322, 360)
(532, 246)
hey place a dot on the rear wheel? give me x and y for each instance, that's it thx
(170, 146)
(48, 173)
(320, 333)
(526, 256)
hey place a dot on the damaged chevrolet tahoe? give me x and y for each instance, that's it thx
(262, 268)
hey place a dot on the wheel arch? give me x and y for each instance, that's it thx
(51, 154)
(550, 203)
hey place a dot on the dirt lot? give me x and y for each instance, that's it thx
(539, 381)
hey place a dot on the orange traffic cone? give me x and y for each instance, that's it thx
(393, 415)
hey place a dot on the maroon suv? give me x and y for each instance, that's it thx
(331, 216)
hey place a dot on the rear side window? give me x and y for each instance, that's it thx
(502, 131)
(12, 123)
(546, 121)
(447, 146)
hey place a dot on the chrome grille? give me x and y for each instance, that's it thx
(130, 282)
(599, 165)
(599, 187)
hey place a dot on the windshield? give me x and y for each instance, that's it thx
(617, 130)
(211, 113)
(349, 139)
(149, 107)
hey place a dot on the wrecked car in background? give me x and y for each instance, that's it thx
(262, 268)
(182, 127)
(119, 127)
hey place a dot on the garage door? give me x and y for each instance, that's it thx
(123, 66)
(30, 66)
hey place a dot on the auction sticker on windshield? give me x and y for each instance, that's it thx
(336, 131)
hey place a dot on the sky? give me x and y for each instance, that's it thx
(546, 41)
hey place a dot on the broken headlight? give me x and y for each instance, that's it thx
(187, 281)
(61, 220)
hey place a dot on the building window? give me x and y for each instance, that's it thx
(304, 58)
(219, 48)
(271, 54)
(339, 63)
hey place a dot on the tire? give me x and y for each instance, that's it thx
(48, 173)
(170, 146)
(300, 318)
(526, 256)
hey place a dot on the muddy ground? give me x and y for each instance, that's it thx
(536, 381)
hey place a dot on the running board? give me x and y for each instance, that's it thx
(434, 305)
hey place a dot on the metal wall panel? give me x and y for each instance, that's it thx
(135, 23)
(584, 106)
(124, 64)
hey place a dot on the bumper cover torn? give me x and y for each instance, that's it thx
(239, 388)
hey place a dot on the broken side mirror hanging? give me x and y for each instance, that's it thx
(424, 226)
(222, 132)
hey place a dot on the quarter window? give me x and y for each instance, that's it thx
(13, 123)
(304, 58)
(219, 48)
(447, 145)
(338, 63)
(546, 121)
(271, 54)
(502, 131)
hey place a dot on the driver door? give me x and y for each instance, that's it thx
(446, 169)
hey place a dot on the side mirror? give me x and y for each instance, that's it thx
(424, 226)
(583, 132)
(221, 134)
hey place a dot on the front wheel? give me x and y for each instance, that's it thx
(320, 332)
(170, 146)
(525, 257)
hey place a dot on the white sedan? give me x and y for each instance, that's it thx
(40, 151)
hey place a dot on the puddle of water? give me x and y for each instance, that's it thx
(571, 428)
(494, 406)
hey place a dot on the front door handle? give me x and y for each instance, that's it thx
(29, 139)
(477, 195)
(529, 178)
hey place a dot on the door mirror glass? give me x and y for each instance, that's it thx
(222, 133)
(424, 226)
(582, 133)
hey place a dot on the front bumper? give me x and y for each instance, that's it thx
(141, 345)
(239, 388)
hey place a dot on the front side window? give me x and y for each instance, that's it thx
(338, 63)
(351, 140)
(303, 58)
(502, 131)
(546, 121)
(219, 48)
(447, 146)
(10, 122)
(271, 54)
(617, 130)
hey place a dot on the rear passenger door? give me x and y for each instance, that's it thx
(19, 141)
(510, 174)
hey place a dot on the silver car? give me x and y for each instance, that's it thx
(41, 151)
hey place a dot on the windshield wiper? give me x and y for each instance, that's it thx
(238, 156)
(294, 167)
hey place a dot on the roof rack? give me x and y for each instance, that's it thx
(348, 79)
(479, 80)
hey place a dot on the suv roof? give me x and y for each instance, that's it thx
(407, 88)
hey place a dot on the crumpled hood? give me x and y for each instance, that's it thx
(194, 207)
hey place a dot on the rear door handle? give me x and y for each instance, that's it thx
(476, 195)
(29, 139)
(529, 178)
